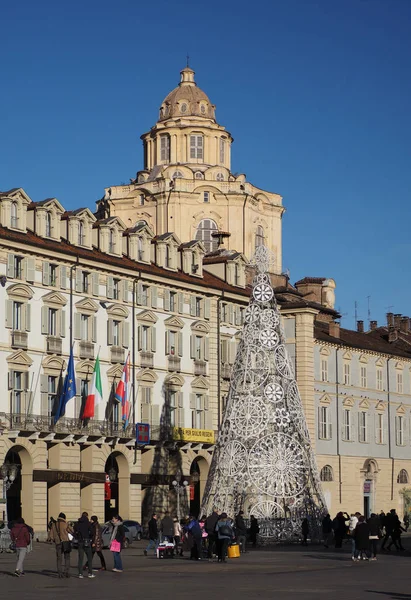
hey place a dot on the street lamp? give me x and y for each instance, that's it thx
(112, 474)
(178, 486)
(8, 473)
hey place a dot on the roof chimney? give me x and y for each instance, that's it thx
(373, 325)
(392, 334)
(334, 329)
(405, 324)
(360, 326)
(397, 321)
(390, 320)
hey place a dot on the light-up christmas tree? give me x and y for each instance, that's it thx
(263, 462)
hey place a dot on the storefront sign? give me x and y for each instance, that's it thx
(193, 435)
(54, 477)
(367, 487)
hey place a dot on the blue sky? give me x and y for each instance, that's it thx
(315, 93)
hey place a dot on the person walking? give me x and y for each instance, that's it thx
(339, 528)
(254, 530)
(225, 533)
(177, 536)
(362, 540)
(194, 530)
(351, 528)
(389, 521)
(82, 532)
(20, 536)
(59, 534)
(167, 527)
(305, 530)
(375, 534)
(97, 542)
(116, 542)
(406, 521)
(396, 535)
(241, 531)
(209, 526)
(152, 534)
(327, 529)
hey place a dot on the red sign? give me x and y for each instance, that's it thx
(107, 488)
(192, 492)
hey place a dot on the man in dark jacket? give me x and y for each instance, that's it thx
(241, 531)
(209, 526)
(362, 540)
(82, 531)
(152, 534)
(167, 527)
(389, 523)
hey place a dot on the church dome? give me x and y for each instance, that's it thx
(187, 100)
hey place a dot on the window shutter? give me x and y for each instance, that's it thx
(46, 273)
(180, 302)
(208, 419)
(126, 334)
(224, 351)
(9, 313)
(63, 277)
(110, 287)
(139, 293)
(329, 424)
(231, 314)
(232, 352)
(30, 269)
(139, 338)
(237, 315)
(95, 284)
(10, 266)
(207, 308)
(180, 343)
(44, 399)
(192, 346)
(180, 417)
(166, 299)
(397, 431)
(27, 309)
(79, 277)
(319, 422)
(153, 341)
(11, 380)
(206, 348)
(124, 291)
(146, 413)
(193, 401)
(62, 314)
(44, 387)
(167, 348)
(77, 326)
(192, 306)
(93, 329)
(155, 415)
(44, 320)
(26, 381)
(154, 296)
(110, 332)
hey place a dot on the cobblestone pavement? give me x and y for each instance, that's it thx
(288, 573)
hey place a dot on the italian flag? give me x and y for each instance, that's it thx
(95, 395)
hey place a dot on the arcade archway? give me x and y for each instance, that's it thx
(19, 496)
(117, 486)
(198, 474)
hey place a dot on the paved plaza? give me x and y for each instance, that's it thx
(280, 572)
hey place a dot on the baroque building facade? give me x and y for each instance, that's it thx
(144, 276)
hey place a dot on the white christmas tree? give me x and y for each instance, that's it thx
(263, 462)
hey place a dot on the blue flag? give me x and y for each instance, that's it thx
(69, 389)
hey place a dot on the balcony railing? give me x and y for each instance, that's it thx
(117, 354)
(200, 367)
(54, 344)
(174, 363)
(146, 360)
(86, 350)
(225, 371)
(19, 339)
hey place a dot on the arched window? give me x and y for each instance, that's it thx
(402, 476)
(259, 237)
(112, 241)
(81, 236)
(199, 175)
(165, 148)
(220, 177)
(14, 221)
(48, 224)
(327, 473)
(177, 175)
(204, 230)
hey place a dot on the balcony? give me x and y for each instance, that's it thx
(86, 350)
(19, 339)
(200, 367)
(146, 360)
(54, 344)
(117, 354)
(174, 363)
(225, 371)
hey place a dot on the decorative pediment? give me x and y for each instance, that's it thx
(83, 213)
(399, 365)
(364, 404)
(174, 322)
(20, 290)
(168, 238)
(117, 310)
(147, 376)
(401, 410)
(174, 379)
(54, 363)
(325, 351)
(348, 402)
(55, 298)
(347, 355)
(364, 359)
(20, 357)
(380, 406)
(200, 383)
(379, 362)
(85, 367)
(115, 371)
(240, 258)
(87, 304)
(200, 326)
(19, 194)
(325, 400)
(147, 316)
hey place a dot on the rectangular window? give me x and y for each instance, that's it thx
(379, 428)
(18, 267)
(17, 316)
(84, 328)
(363, 377)
(116, 289)
(198, 412)
(172, 405)
(324, 369)
(347, 425)
(236, 274)
(198, 306)
(53, 275)
(52, 321)
(222, 151)
(224, 312)
(196, 146)
(144, 295)
(324, 432)
(172, 342)
(51, 393)
(173, 301)
(140, 248)
(165, 148)
(399, 383)
(168, 257)
(198, 347)
(17, 407)
(399, 422)
(362, 427)
(116, 333)
(347, 374)
(145, 346)
(84, 282)
(206, 196)
(379, 380)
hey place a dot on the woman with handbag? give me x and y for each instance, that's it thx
(20, 537)
(225, 533)
(60, 534)
(116, 541)
(82, 531)
(97, 542)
